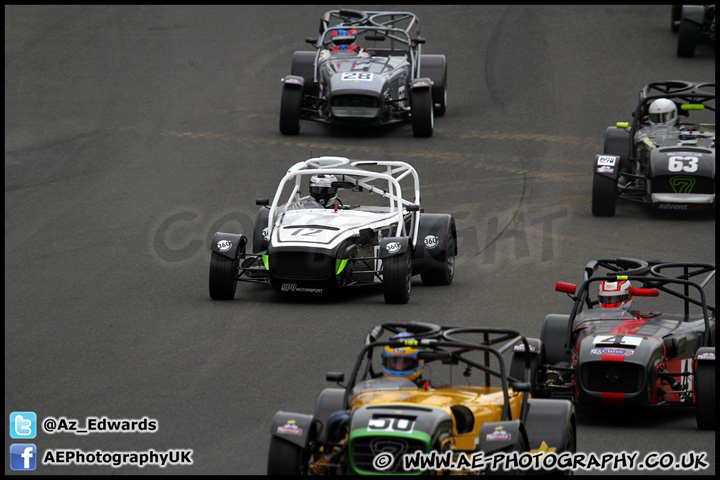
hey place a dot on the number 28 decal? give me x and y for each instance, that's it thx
(677, 164)
(350, 76)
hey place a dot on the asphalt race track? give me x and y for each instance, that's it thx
(132, 134)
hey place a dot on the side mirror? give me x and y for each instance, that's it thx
(563, 287)
(262, 201)
(522, 387)
(413, 208)
(343, 185)
(335, 377)
(310, 40)
(644, 292)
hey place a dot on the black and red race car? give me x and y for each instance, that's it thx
(625, 357)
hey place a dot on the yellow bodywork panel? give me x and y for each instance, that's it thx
(485, 403)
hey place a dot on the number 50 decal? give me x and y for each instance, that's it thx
(677, 164)
(391, 424)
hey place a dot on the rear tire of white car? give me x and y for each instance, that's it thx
(443, 275)
(397, 278)
(604, 196)
(290, 106)
(422, 112)
(705, 395)
(223, 276)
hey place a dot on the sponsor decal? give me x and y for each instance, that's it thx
(266, 233)
(421, 84)
(672, 206)
(605, 170)
(612, 351)
(290, 429)
(292, 287)
(682, 184)
(606, 161)
(431, 241)
(521, 348)
(293, 81)
(393, 247)
(498, 434)
(224, 245)
(706, 356)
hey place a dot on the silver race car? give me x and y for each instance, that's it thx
(367, 70)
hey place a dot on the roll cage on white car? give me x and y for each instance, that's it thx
(356, 177)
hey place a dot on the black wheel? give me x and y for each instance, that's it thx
(687, 39)
(570, 445)
(537, 371)
(434, 67)
(440, 96)
(554, 336)
(223, 276)
(675, 16)
(422, 112)
(397, 278)
(705, 395)
(604, 196)
(285, 458)
(303, 65)
(290, 110)
(444, 274)
(520, 446)
(259, 242)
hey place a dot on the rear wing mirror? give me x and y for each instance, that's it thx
(563, 287)
(644, 292)
(375, 37)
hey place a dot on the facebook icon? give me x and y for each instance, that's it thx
(23, 456)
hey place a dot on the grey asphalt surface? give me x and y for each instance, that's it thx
(132, 134)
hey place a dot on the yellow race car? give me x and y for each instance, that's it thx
(394, 417)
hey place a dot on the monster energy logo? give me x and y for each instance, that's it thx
(682, 184)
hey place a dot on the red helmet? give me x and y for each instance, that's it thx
(615, 294)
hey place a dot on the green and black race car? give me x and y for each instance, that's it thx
(383, 415)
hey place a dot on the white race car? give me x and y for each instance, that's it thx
(319, 242)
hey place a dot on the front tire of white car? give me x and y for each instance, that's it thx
(397, 278)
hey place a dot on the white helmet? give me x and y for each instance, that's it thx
(663, 112)
(615, 294)
(321, 188)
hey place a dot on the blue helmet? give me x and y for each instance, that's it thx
(402, 362)
(343, 32)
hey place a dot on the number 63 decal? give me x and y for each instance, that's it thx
(677, 164)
